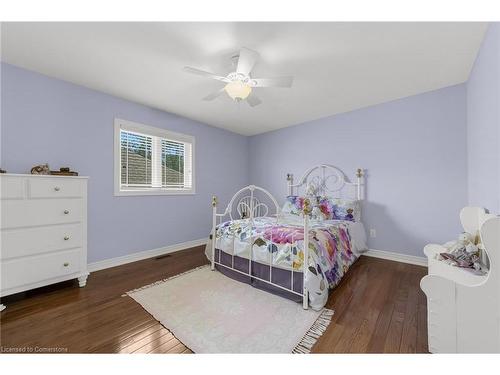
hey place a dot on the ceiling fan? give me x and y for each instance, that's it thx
(239, 84)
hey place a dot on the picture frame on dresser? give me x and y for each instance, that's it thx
(43, 229)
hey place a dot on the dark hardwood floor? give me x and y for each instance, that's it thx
(379, 308)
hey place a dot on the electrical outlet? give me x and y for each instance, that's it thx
(373, 233)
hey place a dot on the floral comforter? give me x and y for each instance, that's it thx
(281, 243)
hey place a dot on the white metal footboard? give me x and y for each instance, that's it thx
(255, 206)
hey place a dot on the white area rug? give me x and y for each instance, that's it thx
(211, 313)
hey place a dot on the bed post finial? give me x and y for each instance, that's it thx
(359, 175)
(289, 178)
(214, 201)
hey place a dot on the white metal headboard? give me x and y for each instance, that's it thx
(325, 179)
(248, 203)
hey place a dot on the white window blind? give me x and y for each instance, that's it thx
(136, 153)
(176, 164)
(153, 160)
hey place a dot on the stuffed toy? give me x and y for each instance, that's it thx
(311, 189)
(463, 253)
(316, 213)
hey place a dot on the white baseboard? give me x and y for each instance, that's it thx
(403, 258)
(113, 262)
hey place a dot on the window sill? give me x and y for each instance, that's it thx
(132, 192)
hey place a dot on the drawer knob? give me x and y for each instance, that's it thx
(57, 188)
(66, 264)
(66, 238)
(66, 212)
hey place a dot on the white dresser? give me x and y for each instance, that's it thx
(43, 231)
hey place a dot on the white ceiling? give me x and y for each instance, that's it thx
(338, 67)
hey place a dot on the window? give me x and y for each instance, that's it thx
(152, 161)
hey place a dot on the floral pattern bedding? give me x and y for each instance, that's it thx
(324, 208)
(281, 242)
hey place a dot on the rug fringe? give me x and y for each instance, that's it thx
(315, 332)
(164, 280)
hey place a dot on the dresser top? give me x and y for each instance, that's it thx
(40, 175)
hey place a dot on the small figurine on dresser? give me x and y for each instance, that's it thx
(464, 253)
(40, 169)
(65, 171)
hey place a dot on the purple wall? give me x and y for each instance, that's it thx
(414, 153)
(483, 124)
(48, 120)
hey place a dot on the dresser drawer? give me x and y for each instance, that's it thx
(12, 187)
(25, 271)
(25, 213)
(55, 187)
(32, 241)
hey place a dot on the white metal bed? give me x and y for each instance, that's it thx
(323, 179)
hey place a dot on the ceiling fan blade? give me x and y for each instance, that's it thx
(213, 95)
(246, 61)
(205, 74)
(252, 100)
(273, 82)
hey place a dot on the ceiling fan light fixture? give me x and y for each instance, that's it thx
(238, 90)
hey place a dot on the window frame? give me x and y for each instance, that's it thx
(147, 130)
